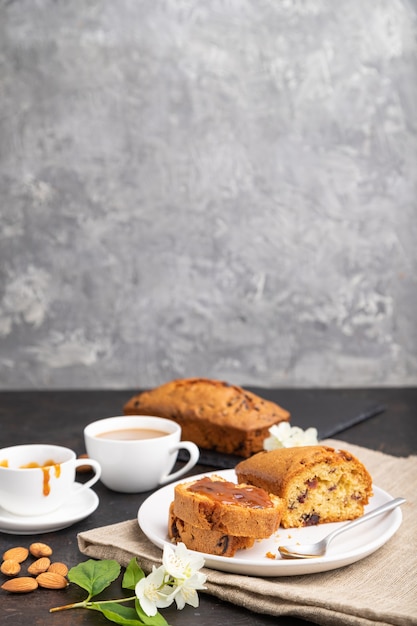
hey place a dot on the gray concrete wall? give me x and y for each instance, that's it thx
(223, 188)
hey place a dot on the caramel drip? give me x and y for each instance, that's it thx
(46, 473)
(229, 493)
(46, 485)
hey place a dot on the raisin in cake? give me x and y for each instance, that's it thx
(212, 413)
(318, 483)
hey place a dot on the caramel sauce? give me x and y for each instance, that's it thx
(46, 467)
(230, 493)
(4, 463)
(33, 464)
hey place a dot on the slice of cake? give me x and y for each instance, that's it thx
(212, 413)
(214, 504)
(317, 483)
(208, 541)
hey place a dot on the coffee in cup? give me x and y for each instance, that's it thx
(137, 452)
(36, 479)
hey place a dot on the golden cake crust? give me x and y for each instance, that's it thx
(208, 541)
(212, 413)
(212, 503)
(318, 483)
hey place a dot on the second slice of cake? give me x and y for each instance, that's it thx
(318, 483)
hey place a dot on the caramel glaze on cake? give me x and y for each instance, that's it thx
(212, 413)
(318, 483)
(212, 503)
(208, 541)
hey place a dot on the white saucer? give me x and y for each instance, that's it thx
(75, 509)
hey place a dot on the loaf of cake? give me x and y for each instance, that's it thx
(212, 414)
(317, 483)
(215, 504)
(208, 541)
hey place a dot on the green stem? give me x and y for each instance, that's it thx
(120, 600)
(86, 604)
(75, 605)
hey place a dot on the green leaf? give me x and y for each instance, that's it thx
(117, 613)
(155, 620)
(94, 576)
(133, 575)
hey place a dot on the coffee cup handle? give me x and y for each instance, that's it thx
(194, 453)
(96, 467)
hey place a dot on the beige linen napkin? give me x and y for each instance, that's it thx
(378, 590)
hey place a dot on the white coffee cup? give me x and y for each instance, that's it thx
(136, 465)
(36, 479)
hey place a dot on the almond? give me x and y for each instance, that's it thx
(18, 554)
(39, 566)
(51, 580)
(23, 584)
(10, 567)
(40, 549)
(58, 568)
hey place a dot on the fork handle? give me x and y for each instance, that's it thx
(384, 508)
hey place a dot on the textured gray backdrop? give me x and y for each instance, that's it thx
(223, 188)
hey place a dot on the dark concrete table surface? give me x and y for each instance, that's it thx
(60, 416)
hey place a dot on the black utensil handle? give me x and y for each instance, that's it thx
(340, 427)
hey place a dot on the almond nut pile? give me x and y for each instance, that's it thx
(41, 572)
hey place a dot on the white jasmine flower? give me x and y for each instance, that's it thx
(186, 591)
(181, 563)
(152, 591)
(176, 579)
(283, 435)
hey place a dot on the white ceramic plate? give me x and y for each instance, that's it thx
(75, 509)
(344, 550)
